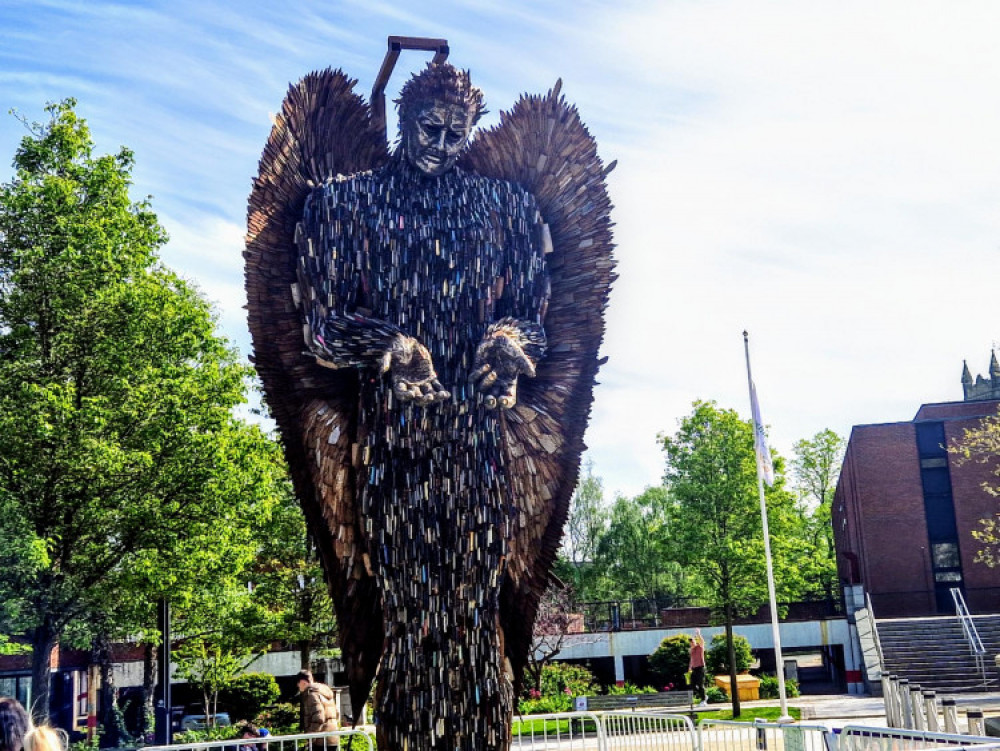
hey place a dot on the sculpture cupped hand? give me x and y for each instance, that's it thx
(500, 359)
(412, 372)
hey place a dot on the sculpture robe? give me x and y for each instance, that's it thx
(441, 259)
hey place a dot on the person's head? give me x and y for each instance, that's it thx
(304, 678)
(248, 731)
(438, 108)
(45, 738)
(14, 724)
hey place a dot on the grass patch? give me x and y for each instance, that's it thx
(749, 714)
(540, 727)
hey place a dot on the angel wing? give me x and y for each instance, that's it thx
(324, 128)
(543, 145)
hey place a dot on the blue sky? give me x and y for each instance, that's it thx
(826, 175)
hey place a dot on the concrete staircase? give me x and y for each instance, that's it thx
(933, 652)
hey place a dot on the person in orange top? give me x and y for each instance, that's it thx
(697, 666)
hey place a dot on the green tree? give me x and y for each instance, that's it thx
(287, 580)
(982, 446)
(715, 520)
(816, 467)
(586, 523)
(118, 447)
(634, 553)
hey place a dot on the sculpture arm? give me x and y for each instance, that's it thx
(514, 344)
(340, 334)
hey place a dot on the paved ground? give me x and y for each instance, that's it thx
(837, 710)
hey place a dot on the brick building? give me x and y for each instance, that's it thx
(904, 509)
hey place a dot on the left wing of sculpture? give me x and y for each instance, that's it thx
(324, 128)
(543, 145)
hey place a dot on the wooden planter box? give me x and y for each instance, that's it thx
(747, 685)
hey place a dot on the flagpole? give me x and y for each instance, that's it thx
(772, 600)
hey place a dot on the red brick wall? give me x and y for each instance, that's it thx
(878, 514)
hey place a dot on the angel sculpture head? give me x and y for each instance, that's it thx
(438, 109)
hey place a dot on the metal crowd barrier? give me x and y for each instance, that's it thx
(567, 731)
(649, 731)
(863, 738)
(731, 735)
(642, 731)
(604, 731)
(335, 741)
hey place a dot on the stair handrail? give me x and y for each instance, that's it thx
(878, 642)
(971, 633)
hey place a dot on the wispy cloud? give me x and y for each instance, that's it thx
(822, 174)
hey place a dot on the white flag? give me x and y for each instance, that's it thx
(764, 465)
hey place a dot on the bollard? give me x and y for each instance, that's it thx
(977, 726)
(897, 702)
(950, 712)
(931, 711)
(917, 707)
(905, 716)
(889, 692)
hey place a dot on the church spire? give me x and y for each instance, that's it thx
(966, 375)
(994, 366)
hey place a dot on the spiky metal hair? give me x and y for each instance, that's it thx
(439, 82)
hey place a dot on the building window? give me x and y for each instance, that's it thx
(946, 555)
(947, 576)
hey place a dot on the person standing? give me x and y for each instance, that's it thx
(319, 712)
(696, 665)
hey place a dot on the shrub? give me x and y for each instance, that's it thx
(557, 677)
(669, 662)
(218, 733)
(357, 743)
(279, 718)
(769, 687)
(546, 704)
(715, 695)
(246, 695)
(630, 688)
(717, 655)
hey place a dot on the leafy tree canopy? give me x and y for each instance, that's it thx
(119, 452)
(982, 446)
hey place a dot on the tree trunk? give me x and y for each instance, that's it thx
(112, 737)
(147, 718)
(734, 692)
(305, 616)
(43, 639)
(305, 654)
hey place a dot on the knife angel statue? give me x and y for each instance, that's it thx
(426, 326)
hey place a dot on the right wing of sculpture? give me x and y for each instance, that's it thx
(324, 128)
(542, 145)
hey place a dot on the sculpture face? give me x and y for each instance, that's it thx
(434, 139)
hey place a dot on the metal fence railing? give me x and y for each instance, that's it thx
(863, 738)
(730, 735)
(971, 633)
(605, 731)
(568, 731)
(669, 612)
(642, 731)
(302, 742)
(649, 731)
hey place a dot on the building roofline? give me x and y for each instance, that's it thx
(995, 402)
